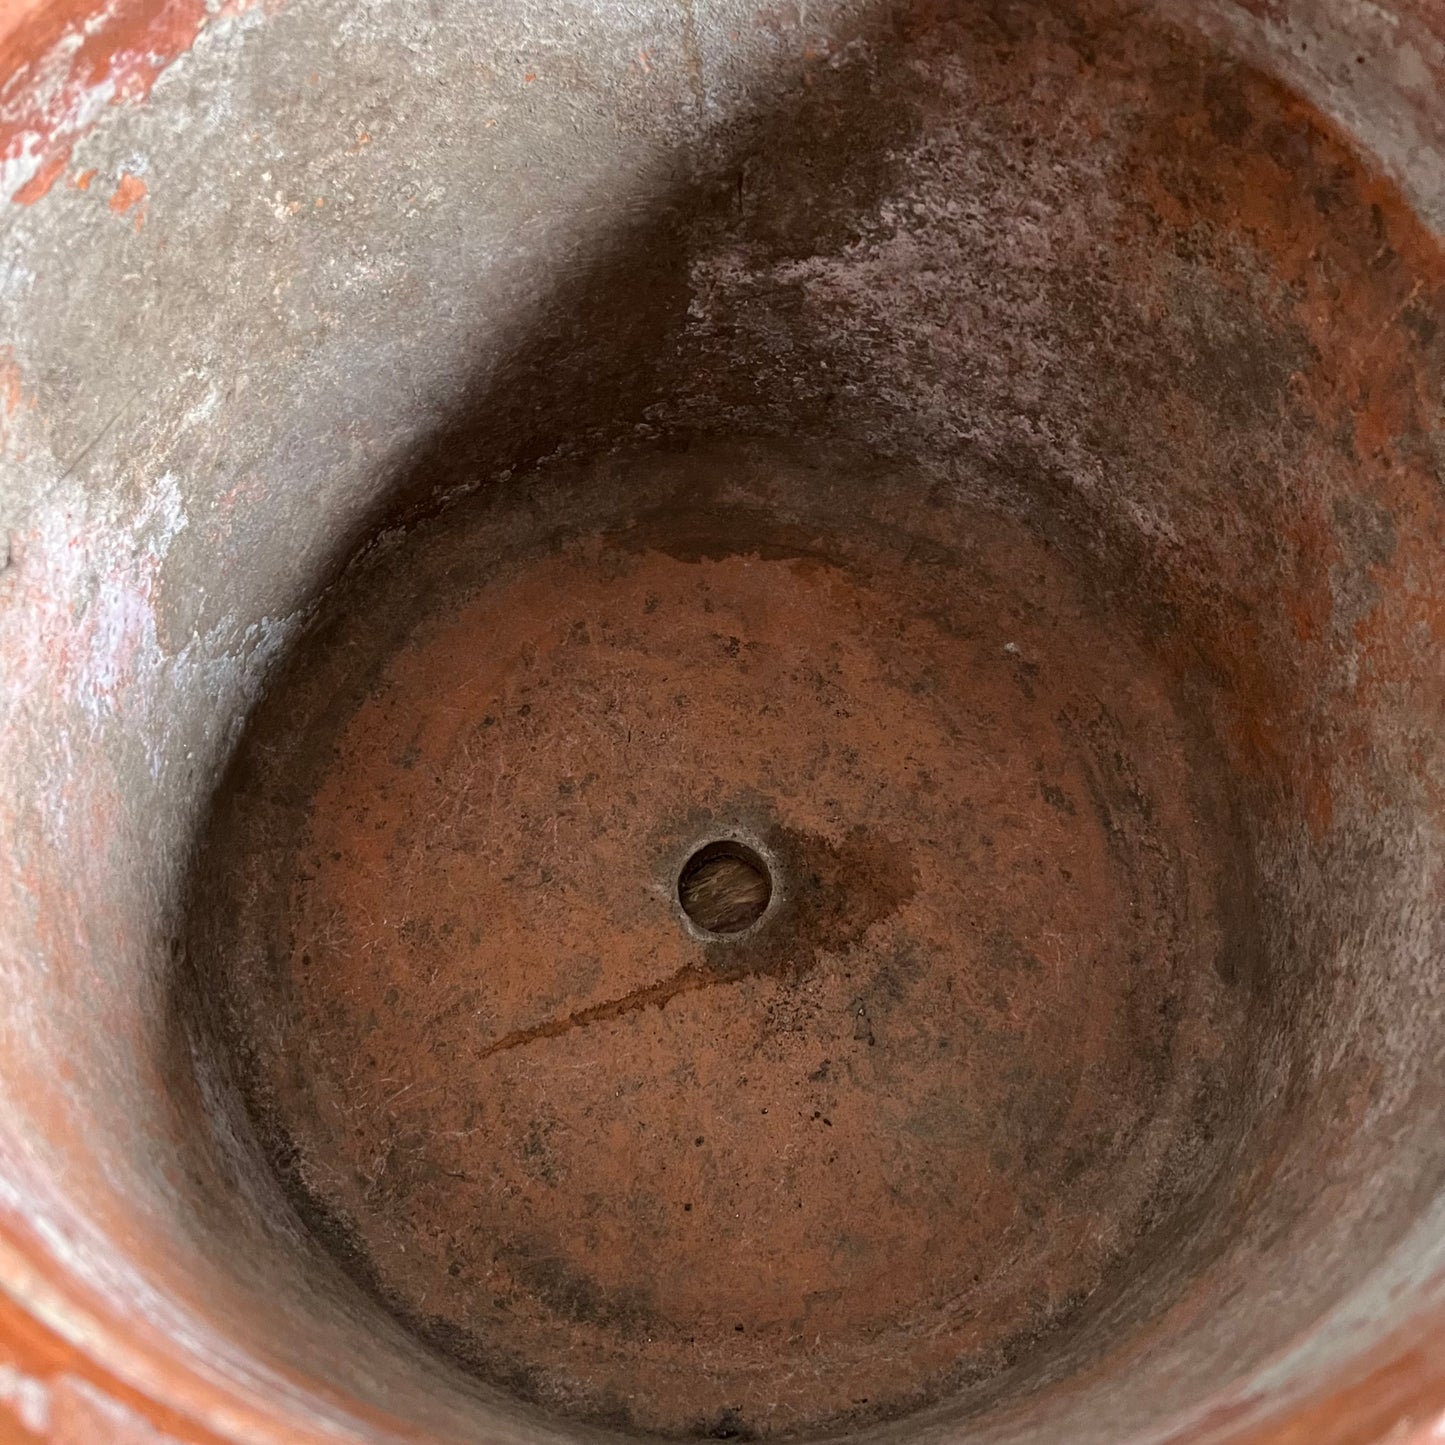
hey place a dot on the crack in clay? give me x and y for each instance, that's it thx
(687, 979)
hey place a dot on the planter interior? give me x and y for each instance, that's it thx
(976, 468)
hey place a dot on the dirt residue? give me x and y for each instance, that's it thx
(641, 1174)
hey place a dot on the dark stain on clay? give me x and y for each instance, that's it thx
(835, 892)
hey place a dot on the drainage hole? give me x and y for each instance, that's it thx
(724, 887)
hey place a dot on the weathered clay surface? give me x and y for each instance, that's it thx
(876, 1149)
(1061, 276)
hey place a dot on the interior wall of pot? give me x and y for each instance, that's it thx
(1163, 288)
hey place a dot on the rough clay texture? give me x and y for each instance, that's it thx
(1060, 265)
(815, 1175)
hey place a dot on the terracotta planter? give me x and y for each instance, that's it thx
(478, 484)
